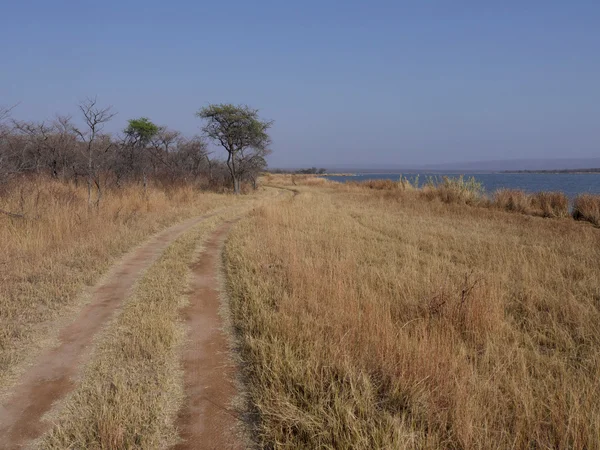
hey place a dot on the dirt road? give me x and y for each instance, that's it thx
(207, 420)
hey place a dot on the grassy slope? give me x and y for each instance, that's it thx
(376, 320)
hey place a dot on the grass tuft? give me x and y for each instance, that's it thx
(587, 207)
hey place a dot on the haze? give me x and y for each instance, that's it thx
(354, 83)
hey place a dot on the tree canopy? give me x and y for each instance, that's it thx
(141, 130)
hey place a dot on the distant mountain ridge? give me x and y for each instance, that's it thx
(474, 166)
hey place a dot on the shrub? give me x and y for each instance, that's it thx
(381, 185)
(454, 190)
(550, 204)
(587, 207)
(513, 200)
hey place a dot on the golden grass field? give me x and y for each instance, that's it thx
(370, 315)
(386, 318)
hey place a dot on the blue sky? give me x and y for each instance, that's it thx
(361, 83)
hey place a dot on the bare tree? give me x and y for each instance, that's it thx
(252, 163)
(95, 144)
(7, 163)
(62, 146)
(162, 145)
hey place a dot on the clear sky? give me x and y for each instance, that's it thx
(358, 82)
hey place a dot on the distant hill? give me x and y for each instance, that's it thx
(513, 165)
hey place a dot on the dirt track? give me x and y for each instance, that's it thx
(207, 420)
(54, 373)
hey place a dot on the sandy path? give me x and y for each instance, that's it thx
(53, 374)
(207, 420)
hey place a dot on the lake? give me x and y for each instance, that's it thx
(569, 183)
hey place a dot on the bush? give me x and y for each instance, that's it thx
(544, 204)
(454, 190)
(587, 207)
(512, 200)
(550, 204)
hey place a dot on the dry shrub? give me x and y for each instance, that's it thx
(551, 204)
(385, 184)
(454, 190)
(587, 207)
(512, 200)
(427, 326)
(544, 204)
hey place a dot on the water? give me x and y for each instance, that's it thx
(569, 183)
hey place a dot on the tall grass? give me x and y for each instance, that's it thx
(545, 204)
(366, 321)
(454, 190)
(387, 184)
(587, 207)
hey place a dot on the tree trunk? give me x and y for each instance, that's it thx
(145, 185)
(99, 193)
(234, 175)
(89, 176)
(89, 186)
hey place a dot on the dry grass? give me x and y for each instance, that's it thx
(454, 190)
(545, 204)
(59, 248)
(512, 200)
(587, 207)
(370, 321)
(132, 388)
(551, 204)
(384, 184)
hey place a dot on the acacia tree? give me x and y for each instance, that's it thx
(240, 131)
(138, 134)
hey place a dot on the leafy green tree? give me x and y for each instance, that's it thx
(241, 132)
(138, 135)
(141, 131)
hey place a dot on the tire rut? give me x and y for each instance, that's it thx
(207, 420)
